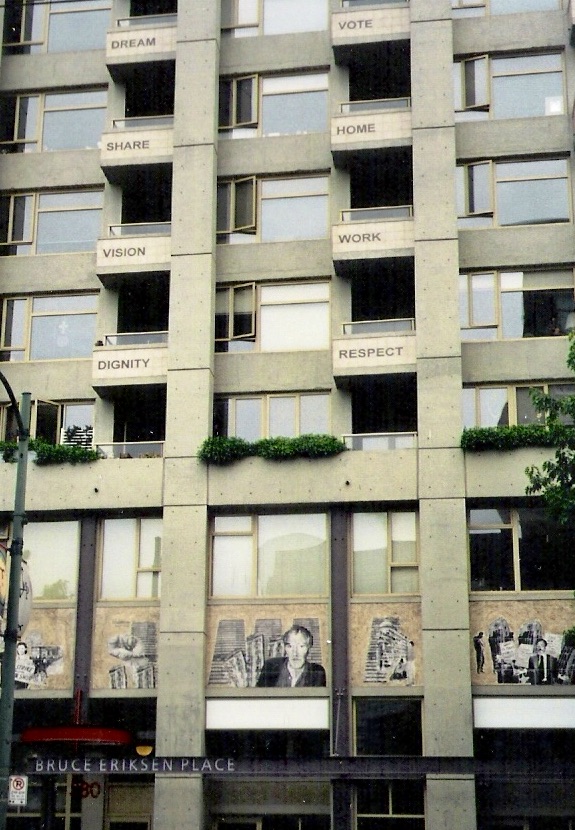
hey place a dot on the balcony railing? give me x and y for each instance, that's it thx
(148, 20)
(136, 338)
(373, 214)
(352, 4)
(379, 326)
(375, 104)
(141, 229)
(381, 441)
(132, 449)
(141, 122)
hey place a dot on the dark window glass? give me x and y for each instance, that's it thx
(388, 727)
(546, 553)
(268, 744)
(491, 556)
(364, 823)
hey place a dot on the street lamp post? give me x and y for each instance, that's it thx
(12, 607)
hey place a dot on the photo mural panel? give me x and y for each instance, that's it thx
(522, 642)
(276, 646)
(45, 652)
(385, 644)
(125, 650)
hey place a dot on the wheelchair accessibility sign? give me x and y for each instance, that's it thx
(18, 790)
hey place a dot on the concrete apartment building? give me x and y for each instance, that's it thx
(281, 217)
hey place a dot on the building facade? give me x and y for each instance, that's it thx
(268, 219)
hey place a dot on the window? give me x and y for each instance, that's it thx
(387, 726)
(243, 18)
(131, 558)
(509, 87)
(515, 304)
(269, 556)
(273, 318)
(520, 550)
(279, 105)
(520, 192)
(263, 416)
(52, 121)
(49, 223)
(384, 553)
(67, 26)
(476, 8)
(55, 327)
(491, 406)
(275, 822)
(51, 550)
(56, 423)
(289, 209)
(380, 805)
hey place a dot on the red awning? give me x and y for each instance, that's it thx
(76, 734)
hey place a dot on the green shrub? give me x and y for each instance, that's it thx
(220, 450)
(514, 437)
(51, 453)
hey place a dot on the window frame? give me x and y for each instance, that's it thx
(45, 11)
(479, 8)
(484, 109)
(389, 564)
(488, 216)
(253, 27)
(34, 210)
(494, 328)
(512, 404)
(254, 230)
(134, 563)
(264, 406)
(34, 143)
(253, 534)
(65, 568)
(391, 814)
(29, 315)
(255, 335)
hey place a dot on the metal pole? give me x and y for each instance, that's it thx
(11, 631)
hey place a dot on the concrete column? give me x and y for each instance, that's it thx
(450, 801)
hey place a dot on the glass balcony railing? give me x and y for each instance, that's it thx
(132, 449)
(379, 326)
(142, 122)
(141, 229)
(381, 441)
(373, 214)
(148, 20)
(136, 338)
(375, 105)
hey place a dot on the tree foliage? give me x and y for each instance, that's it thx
(554, 481)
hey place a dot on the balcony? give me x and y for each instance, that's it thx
(141, 140)
(142, 38)
(359, 22)
(134, 246)
(387, 346)
(374, 232)
(132, 449)
(132, 357)
(381, 441)
(382, 122)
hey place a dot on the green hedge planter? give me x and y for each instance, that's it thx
(220, 450)
(515, 437)
(51, 453)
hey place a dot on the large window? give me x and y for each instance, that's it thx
(273, 318)
(66, 26)
(52, 121)
(278, 105)
(272, 210)
(516, 304)
(492, 406)
(476, 8)
(64, 221)
(384, 553)
(509, 87)
(247, 18)
(387, 726)
(51, 550)
(518, 192)
(380, 805)
(520, 550)
(131, 558)
(54, 327)
(269, 556)
(267, 416)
